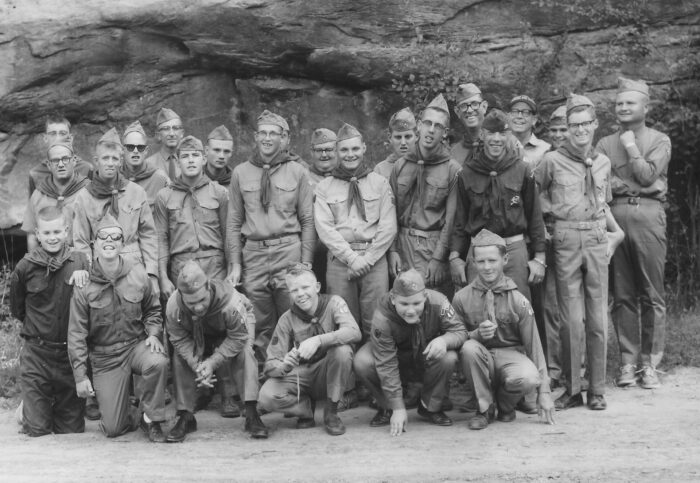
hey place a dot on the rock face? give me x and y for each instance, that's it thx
(317, 62)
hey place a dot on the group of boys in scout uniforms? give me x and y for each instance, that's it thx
(339, 277)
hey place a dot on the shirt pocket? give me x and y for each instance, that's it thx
(567, 190)
(339, 207)
(37, 285)
(251, 195)
(372, 208)
(514, 200)
(435, 192)
(208, 212)
(101, 309)
(132, 297)
(285, 195)
(476, 192)
(129, 219)
(175, 216)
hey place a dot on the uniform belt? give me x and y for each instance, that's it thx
(634, 200)
(511, 239)
(580, 225)
(103, 349)
(47, 343)
(360, 245)
(271, 242)
(200, 254)
(420, 233)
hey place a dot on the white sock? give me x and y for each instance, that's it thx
(146, 418)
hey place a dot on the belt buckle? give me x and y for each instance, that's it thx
(633, 200)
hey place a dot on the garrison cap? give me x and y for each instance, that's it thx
(64, 144)
(107, 221)
(323, 135)
(267, 117)
(495, 121)
(522, 98)
(135, 127)
(439, 103)
(165, 115)
(559, 113)
(626, 85)
(576, 100)
(220, 133)
(408, 283)
(486, 238)
(191, 278)
(467, 91)
(190, 143)
(403, 120)
(347, 131)
(110, 137)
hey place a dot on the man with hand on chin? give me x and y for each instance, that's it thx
(415, 335)
(501, 324)
(115, 319)
(310, 356)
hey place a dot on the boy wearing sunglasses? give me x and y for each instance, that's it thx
(134, 167)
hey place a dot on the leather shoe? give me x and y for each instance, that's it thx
(481, 420)
(255, 426)
(435, 417)
(596, 402)
(506, 416)
(334, 426)
(348, 401)
(153, 430)
(229, 408)
(306, 423)
(524, 406)
(92, 410)
(566, 401)
(186, 423)
(382, 418)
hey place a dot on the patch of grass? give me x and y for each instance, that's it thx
(10, 342)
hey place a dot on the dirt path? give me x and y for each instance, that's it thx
(643, 436)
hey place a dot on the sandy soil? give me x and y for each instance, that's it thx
(643, 436)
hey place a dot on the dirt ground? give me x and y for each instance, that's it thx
(643, 436)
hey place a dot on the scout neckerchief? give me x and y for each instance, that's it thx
(224, 179)
(568, 150)
(415, 167)
(417, 334)
(48, 187)
(265, 183)
(317, 172)
(502, 285)
(41, 257)
(98, 276)
(102, 189)
(144, 171)
(353, 177)
(220, 298)
(493, 169)
(180, 185)
(315, 322)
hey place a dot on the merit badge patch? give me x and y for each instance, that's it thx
(275, 340)
(377, 333)
(447, 311)
(343, 308)
(515, 200)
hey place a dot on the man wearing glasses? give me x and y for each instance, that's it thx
(471, 109)
(57, 130)
(135, 168)
(522, 119)
(58, 189)
(270, 224)
(424, 183)
(169, 133)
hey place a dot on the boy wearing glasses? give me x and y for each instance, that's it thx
(169, 133)
(575, 193)
(522, 119)
(402, 139)
(270, 224)
(470, 109)
(115, 321)
(423, 182)
(59, 189)
(135, 168)
(323, 155)
(218, 151)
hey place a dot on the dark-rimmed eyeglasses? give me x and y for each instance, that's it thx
(466, 106)
(575, 125)
(430, 124)
(323, 150)
(64, 160)
(521, 112)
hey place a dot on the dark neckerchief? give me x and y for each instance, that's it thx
(224, 179)
(416, 162)
(265, 182)
(101, 189)
(180, 185)
(353, 177)
(48, 187)
(315, 322)
(568, 150)
(41, 257)
(145, 171)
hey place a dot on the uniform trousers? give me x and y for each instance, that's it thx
(112, 370)
(505, 374)
(416, 248)
(50, 403)
(293, 393)
(434, 375)
(639, 308)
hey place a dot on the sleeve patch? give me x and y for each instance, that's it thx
(343, 307)
(377, 333)
(275, 340)
(447, 311)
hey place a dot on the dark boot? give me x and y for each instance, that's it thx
(334, 426)
(92, 410)
(253, 423)
(153, 430)
(229, 408)
(382, 418)
(186, 423)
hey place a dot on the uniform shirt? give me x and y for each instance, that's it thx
(436, 210)
(520, 212)
(514, 317)
(290, 211)
(315, 179)
(166, 162)
(105, 312)
(563, 185)
(337, 227)
(189, 223)
(39, 200)
(641, 176)
(135, 218)
(385, 167)
(338, 328)
(40, 171)
(152, 184)
(228, 319)
(534, 150)
(40, 298)
(464, 149)
(391, 335)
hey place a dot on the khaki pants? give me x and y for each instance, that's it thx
(111, 373)
(434, 376)
(416, 251)
(323, 379)
(504, 375)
